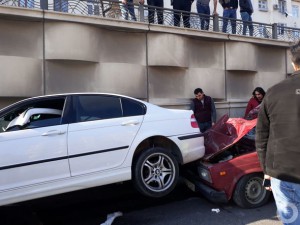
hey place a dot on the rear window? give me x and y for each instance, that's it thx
(132, 108)
(93, 107)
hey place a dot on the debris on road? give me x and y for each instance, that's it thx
(215, 210)
(111, 217)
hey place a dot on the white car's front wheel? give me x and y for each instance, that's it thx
(155, 172)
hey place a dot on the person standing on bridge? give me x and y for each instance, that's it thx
(204, 10)
(246, 10)
(278, 142)
(183, 5)
(156, 5)
(229, 13)
(128, 7)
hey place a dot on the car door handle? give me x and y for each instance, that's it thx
(53, 132)
(130, 123)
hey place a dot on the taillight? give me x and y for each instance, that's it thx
(194, 123)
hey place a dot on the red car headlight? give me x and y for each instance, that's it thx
(204, 174)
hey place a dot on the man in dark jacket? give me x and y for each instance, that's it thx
(183, 5)
(278, 142)
(159, 11)
(204, 110)
(246, 10)
(229, 13)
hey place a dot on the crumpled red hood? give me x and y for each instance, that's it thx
(226, 132)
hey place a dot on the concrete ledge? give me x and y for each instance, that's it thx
(95, 20)
(188, 32)
(257, 40)
(40, 15)
(20, 12)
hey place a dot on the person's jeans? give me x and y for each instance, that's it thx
(26, 3)
(204, 126)
(128, 8)
(184, 6)
(247, 22)
(204, 9)
(287, 198)
(159, 11)
(229, 14)
(251, 134)
(61, 5)
(93, 7)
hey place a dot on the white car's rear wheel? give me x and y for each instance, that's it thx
(155, 172)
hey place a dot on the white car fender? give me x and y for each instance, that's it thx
(141, 136)
(139, 139)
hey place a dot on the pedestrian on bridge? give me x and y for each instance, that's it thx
(156, 5)
(229, 13)
(127, 7)
(246, 10)
(204, 12)
(182, 5)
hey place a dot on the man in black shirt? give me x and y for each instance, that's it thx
(183, 5)
(156, 5)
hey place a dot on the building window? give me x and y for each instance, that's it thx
(295, 11)
(282, 6)
(281, 28)
(263, 5)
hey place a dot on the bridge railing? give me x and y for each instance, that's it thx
(163, 16)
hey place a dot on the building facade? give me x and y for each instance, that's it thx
(51, 52)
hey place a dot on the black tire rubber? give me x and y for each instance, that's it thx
(155, 172)
(249, 192)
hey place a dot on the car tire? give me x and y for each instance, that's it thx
(155, 172)
(249, 192)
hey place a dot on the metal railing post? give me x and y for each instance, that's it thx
(216, 23)
(44, 4)
(275, 31)
(102, 8)
(141, 12)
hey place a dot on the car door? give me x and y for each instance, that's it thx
(103, 130)
(35, 150)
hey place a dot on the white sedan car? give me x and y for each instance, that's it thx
(61, 143)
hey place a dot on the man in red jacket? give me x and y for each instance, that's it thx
(204, 110)
(278, 142)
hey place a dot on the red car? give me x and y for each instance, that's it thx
(230, 168)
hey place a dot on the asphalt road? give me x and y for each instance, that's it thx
(91, 207)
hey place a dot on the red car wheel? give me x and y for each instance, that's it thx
(249, 192)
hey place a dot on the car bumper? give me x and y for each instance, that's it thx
(211, 194)
(191, 146)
